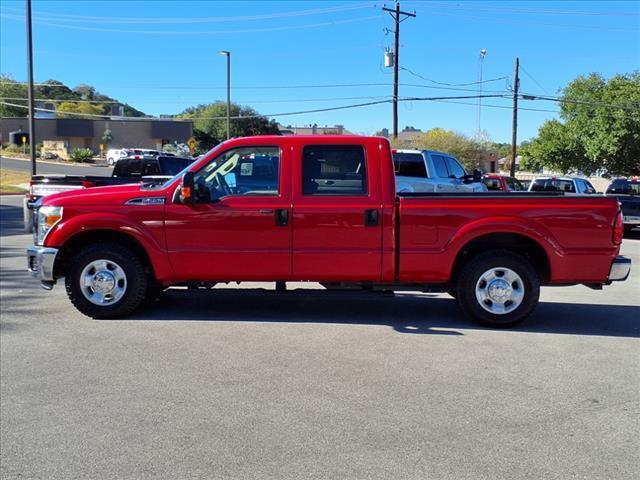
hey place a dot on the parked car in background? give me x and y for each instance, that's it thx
(126, 170)
(570, 185)
(627, 191)
(431, 171)
(503, 183)
(115, 154)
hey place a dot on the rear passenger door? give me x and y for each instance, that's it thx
(337, 214)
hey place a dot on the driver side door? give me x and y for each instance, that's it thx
(244, 231)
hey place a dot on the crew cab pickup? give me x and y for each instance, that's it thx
(127, 170)
(322, 209)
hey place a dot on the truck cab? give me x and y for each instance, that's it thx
(431, 171)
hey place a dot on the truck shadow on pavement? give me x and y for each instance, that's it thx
(11, 222)
(405, 313)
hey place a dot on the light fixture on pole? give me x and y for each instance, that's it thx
(228, 55)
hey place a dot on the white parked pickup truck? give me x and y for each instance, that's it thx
(431, 171)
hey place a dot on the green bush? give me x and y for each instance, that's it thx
(81, 155)
(12, 148)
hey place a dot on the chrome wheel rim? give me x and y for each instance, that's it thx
(103, 282)
(499, 290)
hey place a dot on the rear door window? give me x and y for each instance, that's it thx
(409, 165)
(334, 170)
(440, 166)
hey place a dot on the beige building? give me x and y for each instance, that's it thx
(80, 133)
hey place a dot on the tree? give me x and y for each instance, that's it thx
(210, 124)
(107, 136)
(73, 107)
(465, 149)
(86, 92)
(10, 90)
(599, 128)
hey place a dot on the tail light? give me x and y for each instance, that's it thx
(31, 189)
(618, 230)
(88, 184)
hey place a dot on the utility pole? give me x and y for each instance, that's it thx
(228, 55)
(32, 122)
(514, 128)
(395, 14)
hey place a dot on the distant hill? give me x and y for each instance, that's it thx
(81, 99)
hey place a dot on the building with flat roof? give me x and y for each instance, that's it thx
(82, 133)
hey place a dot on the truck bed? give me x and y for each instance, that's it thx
(574, 231)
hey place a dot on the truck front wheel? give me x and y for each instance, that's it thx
(106, 281)
(498, 288)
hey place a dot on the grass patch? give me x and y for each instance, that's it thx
(10, 179)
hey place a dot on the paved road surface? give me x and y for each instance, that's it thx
(53, 169)
(250, 384)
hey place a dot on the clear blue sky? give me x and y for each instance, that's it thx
(160, 56)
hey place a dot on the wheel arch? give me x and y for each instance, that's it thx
(517, 243)
(92, 237)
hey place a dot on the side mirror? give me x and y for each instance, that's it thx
(477, 175)
(187, 190)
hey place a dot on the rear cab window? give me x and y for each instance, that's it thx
(409, 165)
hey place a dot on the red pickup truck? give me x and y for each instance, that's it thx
(324, 209)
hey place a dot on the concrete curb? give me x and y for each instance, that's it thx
(50, 162)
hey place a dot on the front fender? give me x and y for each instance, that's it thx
(148, 233)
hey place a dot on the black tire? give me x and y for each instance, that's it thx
(470, 277)
(628, 229)
(136, 280)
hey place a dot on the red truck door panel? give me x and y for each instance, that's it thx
(246, 234)
(337, 214)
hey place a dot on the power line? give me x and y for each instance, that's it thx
(526, 96)
(196, 32)
(191, 102)
(452, 84)
(186, 20)
(268, 87)
(476, 6)
(545, 24)
(534, 80)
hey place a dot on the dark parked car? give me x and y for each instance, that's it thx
(626, 191)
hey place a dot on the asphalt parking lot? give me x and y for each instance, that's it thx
(253, 384)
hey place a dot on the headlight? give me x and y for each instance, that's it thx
(47, 218)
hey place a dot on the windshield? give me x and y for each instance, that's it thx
(186, 169)
(552, 185)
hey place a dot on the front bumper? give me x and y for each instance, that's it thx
(40, 261)
(620, 269)
(631, 219)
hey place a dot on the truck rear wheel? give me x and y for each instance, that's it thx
(498, 288)
(106, 281)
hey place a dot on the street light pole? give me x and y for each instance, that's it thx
(228, 55)
(32, 123)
